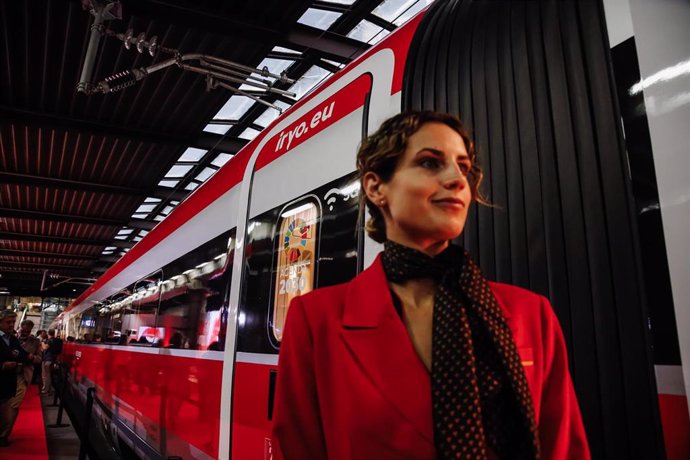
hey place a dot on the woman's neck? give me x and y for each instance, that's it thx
(415, 293)
(430, 248)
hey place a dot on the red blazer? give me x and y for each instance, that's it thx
(351, 385)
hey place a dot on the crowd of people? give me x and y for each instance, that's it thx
(25, 359)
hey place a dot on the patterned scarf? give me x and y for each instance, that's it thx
(480, 395)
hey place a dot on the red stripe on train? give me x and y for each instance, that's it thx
(179, 394)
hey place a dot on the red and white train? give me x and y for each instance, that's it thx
(198, 305)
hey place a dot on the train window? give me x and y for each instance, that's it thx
(193, 308)
(294, 257)
(141, 308)
(292, 249)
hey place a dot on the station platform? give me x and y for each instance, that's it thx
(33, 438)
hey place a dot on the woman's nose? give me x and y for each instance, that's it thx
(454, 177)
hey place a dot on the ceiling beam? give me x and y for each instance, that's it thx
(51, 121)
(62, 239)
(43, 266)
(57, 255)
(198, 18)
(56, 217)
(141, 224)
(67, 184)
(328, 45)
(381, 22)
(332, 46)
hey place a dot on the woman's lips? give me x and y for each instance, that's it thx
(454, 203)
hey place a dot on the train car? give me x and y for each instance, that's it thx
(192, 316)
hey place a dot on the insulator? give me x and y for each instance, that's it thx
(153, 46)
(128, 36)
(141, 42)
(120, 81)
(283, 77)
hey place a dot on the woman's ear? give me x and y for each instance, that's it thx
(373, 187)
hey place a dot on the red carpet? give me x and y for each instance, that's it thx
(28, 438)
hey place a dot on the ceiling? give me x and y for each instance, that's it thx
(84, 177)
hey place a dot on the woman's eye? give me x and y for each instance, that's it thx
(429, 163)
(465, 168)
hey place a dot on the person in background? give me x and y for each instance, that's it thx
(42, 337)
(32, 346)
(12, 355)
(420, 357)
(51, 351)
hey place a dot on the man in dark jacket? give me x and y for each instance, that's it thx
(51, 351)
(11, 356)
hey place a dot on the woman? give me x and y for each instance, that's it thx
(419, 357)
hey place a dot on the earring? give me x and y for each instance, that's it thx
(382, 202)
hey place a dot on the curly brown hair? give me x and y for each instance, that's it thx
(381, 152)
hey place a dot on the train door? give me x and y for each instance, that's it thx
(301, 234)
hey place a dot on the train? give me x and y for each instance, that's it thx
(191, 318)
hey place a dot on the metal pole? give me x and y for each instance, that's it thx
(85, 85)
(87, 423)
(63, 385)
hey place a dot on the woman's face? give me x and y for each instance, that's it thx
(426, 201)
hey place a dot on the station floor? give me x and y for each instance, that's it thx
(34, 439)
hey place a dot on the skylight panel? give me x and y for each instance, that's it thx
(280, 49)
(140, 215)
(143, 233)
(334, 63)
(399, 11)
(364, 31)
(205, 174)
(125, 231)
(152, 199)
(145, 208)
(218, 129)
(167, 209)
(220, 160)
(178, 171)
(234, 108)
(168, 183)
(191, 186)
(249, 134)
(309, 80)
(321, 19)
(192, 154)
(136, 239)
(340, 2)
(159, 217)
(271, 114)
(175, 203)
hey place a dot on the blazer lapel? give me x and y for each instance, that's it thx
(380, 343)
